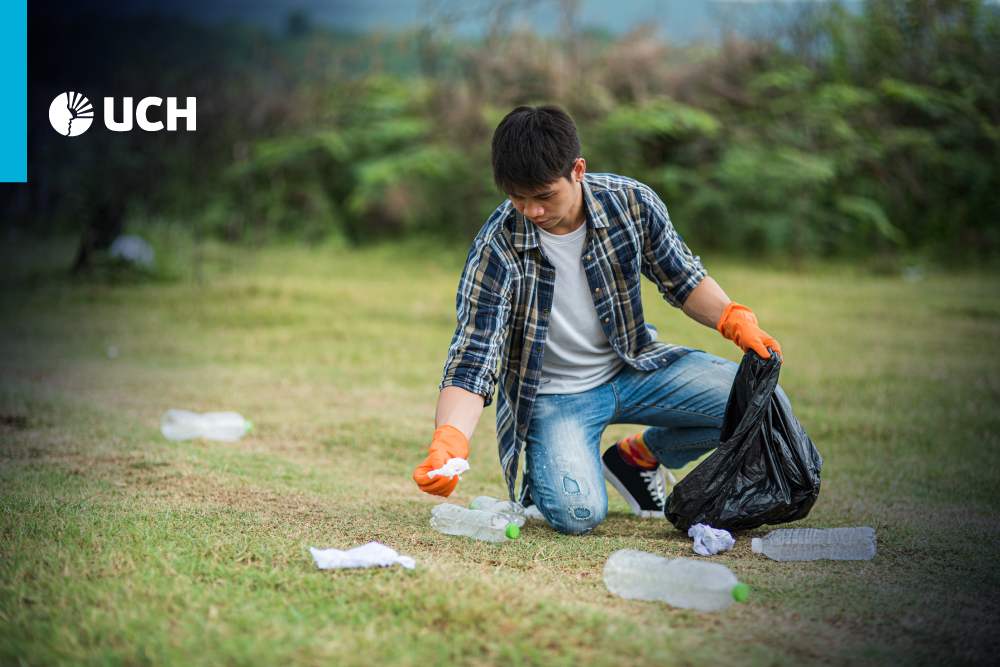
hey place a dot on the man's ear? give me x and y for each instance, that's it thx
(579, 169)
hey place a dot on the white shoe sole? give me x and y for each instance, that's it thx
(632, 502)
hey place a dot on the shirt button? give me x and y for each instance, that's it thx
(597, 290)
(607, 319)
(589, 257)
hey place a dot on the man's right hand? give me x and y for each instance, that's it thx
(448, 443)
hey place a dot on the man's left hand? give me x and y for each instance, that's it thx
(739, 324)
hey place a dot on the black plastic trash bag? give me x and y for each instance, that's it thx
(765, 470)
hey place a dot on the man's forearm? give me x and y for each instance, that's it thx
(706, 302)
(459, 408)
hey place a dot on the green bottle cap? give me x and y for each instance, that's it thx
(741, 592)
(513, 531)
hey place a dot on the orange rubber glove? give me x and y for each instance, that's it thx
(739, 324)
(448, 443)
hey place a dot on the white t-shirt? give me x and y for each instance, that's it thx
(578, 355)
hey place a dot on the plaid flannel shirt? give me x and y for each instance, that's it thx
(506, 289)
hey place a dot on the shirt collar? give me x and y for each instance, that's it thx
(525, 234)
(596, 214)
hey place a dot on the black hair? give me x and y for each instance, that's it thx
(533, 146)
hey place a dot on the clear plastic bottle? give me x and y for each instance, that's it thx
(680, 582)
(817, 544)
(184, 425)
(477, 524)
(510, 510)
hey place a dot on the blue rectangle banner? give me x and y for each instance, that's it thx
(14, 98)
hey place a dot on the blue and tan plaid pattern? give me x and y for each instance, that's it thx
(505, 294)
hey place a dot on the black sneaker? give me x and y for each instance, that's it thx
(643, 490)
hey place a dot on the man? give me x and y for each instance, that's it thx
(549, 308)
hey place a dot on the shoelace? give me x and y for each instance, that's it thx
(654, 483)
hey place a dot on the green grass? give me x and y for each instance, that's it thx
(119, 547)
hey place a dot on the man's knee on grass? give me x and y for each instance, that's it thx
(575, 516)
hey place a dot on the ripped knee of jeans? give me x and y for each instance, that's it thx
(579, 512)
(580, 518)
(577, 508)
(570, 486)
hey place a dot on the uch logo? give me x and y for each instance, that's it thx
(71, 114)
(67, 109)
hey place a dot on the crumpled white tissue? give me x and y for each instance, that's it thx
(455, 466)
(373, 554)
(709, 541)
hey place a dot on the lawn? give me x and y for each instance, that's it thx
(119, 547)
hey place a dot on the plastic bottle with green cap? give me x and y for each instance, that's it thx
(478, 524)
(508, 509)
(680, 582)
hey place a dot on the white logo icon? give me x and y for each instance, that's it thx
(71, 114)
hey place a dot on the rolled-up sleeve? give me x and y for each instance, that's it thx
(666, 259)
(483, 311)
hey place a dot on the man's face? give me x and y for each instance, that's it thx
(554, 207)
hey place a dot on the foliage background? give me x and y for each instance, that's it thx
(867, 130)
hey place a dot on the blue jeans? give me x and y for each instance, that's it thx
(683, 404)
